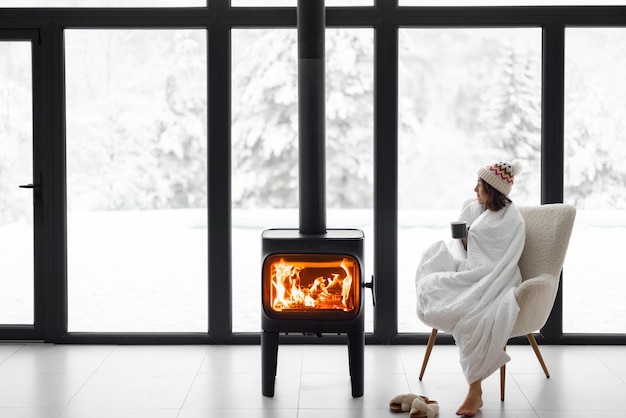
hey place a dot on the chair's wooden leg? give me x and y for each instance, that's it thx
(533, 343)
(429, 348)
(502, 379)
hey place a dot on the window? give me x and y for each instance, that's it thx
(595, 179)
(468, 98)
(265, 153)
(136, 180)
(147, 251)
(16, 168)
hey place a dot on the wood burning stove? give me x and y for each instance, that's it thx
(312, 284)
(312, 278)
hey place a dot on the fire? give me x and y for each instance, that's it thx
(314, 283)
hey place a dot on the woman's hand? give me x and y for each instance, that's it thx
(464, 240)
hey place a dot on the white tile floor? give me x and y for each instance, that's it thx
(45, 380)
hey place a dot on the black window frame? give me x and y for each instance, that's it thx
(218, 18)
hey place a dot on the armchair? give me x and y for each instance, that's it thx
(548, 230)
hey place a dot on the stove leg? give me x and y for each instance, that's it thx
(269, 360)
(356, 359)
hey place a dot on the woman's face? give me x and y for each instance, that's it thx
(481, 193)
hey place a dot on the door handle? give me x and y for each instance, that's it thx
(29, 186)
(34, 186)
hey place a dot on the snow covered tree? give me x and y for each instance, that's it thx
(265, 121)
(467, 96)
(181, 148)
(15, 132)
(595, 131)
(350, 117)
(510, 114)
(136, 119)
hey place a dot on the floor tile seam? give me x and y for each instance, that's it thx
(608, 366)
(237, 373)
(89, 378)
(550, 413)
(285, 371)
(71, 370)
(438, 373)
(416, 367)
(300, 385)
(537, 410)
(510, 412)
(404, 366)
(147, 370)
(13, 354)
(383, 373)
(253, 408)
(413, 368)
(510, 378)
(566, 374)
(193, 381)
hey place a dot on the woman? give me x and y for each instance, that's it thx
(466, 288)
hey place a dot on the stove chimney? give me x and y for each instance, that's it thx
(312, 250)
(311, 116)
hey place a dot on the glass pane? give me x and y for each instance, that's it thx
(293, 3)
(468, 98)
(103, 3)
(136, 180)
(265, 141)
(264, 157)
(16, 168)
(511, 2)
(595, 182)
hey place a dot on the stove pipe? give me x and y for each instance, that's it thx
(311, 116)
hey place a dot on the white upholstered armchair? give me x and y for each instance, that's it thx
(548, 230)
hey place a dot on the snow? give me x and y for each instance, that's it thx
(146, 271)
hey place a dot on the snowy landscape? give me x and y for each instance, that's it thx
(155, 280)
(137, 163)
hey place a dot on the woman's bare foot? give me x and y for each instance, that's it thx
(473, 401)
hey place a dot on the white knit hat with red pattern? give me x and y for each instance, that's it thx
(501, 175)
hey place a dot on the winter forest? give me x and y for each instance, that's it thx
(137, 144)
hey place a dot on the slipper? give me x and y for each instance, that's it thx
(434, 407)
(402, 403)
(424, 408)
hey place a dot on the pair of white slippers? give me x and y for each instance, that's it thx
(416, 405)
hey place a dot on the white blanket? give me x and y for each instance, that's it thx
(470, 294)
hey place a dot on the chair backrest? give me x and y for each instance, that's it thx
(548, 230)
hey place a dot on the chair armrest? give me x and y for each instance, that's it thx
(535, 297)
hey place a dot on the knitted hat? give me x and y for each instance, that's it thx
(500, 175)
